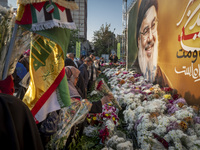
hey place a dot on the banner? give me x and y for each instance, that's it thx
(78, 49)
(118, 50)
(164, 44)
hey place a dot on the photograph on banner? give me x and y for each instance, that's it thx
(164, 44)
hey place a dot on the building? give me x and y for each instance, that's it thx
(80, 18)
(4, 3)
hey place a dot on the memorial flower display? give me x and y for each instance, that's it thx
(161, 118)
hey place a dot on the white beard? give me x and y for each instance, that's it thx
(148, 66)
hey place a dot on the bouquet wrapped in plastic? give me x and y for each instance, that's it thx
(103, 89)
(21, 42)
(69, 116)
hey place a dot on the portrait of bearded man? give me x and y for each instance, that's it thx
(147, 43)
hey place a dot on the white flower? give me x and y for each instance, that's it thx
(112, 141)
(189, 141)
(191, 131)
(130, 126)
(172, 118)
(160, 130)
(183, 113)
(163, 121)
(129, 116)
(125, 146)
(171, 148)
(120, 140)
(167, 138)
(154, 106)
(139, 110)
(90, 131)
(110, 125)
(178, 145)
(145, 146)
(197, 128)
(93, 93)
(194, 147)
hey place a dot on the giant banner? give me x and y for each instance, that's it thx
(164, 44)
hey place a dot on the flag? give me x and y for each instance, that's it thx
(78, 49)
(118, 50)
(48, 89)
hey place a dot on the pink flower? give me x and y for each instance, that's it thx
(125, 72)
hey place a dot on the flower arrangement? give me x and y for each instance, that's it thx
(69, 116)
(102, 87)
(109, 113)
(103, 124)
(103, 134)
(21, 43)
(160, 116)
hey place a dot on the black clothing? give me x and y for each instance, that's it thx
(111, 58)
(84, 73)
(80, 86)
(18, 130)
(115, 59)
(69, 62)
(79, 62)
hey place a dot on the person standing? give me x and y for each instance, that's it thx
(81, 60)
(92, 73)
(71, 56)
(111, 58)
(115, 58)
(84, 70)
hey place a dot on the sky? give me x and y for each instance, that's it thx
(100, 12)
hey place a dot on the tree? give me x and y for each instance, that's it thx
(103, 40)
(73, 39)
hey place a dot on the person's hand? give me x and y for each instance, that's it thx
(106, 99)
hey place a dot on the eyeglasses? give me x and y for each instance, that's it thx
(147, 29)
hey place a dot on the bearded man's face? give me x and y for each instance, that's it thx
(148, 44)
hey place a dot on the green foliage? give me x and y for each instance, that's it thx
(85, 143)
(73, 39)
(103, 40)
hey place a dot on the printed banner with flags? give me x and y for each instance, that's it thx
(70, 4)
(37, 17)
(78, 49)
(118, 50)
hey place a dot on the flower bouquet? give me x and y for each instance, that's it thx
(21, 41)
(103, 89)
(69, 116)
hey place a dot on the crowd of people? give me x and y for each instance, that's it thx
(18, 125)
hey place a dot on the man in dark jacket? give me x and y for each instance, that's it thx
(84, 70)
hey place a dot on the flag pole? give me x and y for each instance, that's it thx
(10, 50)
